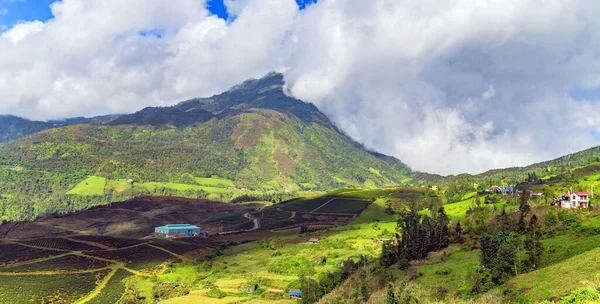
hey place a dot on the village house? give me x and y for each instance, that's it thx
(532, 193)
(313, 240)
(575, 200)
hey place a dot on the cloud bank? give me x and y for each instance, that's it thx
(447, 87)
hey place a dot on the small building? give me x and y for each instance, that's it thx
(296, 293)
(313, 240)
(171, 230)
(435, 188)
(575, 200)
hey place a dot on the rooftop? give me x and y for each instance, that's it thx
(190, 226)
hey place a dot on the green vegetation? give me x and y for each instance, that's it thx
(544, 283)
(114, 289)
(91, 186)
(64, 288)
(152, 187)
(214, 181)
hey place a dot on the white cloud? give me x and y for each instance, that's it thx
(408, 78)
(22, 30)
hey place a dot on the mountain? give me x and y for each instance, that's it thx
(12, 127)
(254, 136)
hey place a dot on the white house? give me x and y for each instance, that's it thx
(575, 200)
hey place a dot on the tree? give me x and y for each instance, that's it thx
(499, 254)
(311, 291)
(533, 243)
(548, 194)
(524, 209)
(391, 295)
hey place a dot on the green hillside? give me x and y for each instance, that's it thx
(253, 136)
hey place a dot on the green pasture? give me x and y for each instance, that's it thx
(93, 185)
(214, 181)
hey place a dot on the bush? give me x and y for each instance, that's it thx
(581, 295)
(215, 293)
(167, 290)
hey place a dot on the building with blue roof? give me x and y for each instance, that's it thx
(171, 230)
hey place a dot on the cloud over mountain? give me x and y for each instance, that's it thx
(445, 86)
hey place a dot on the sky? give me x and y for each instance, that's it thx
(446, 86)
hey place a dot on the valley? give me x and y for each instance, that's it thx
(290, 210)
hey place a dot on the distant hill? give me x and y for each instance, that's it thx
(12, 127)
(563, 165)
(253, 134)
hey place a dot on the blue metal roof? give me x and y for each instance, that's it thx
(170, 227)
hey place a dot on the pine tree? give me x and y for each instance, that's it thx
(444, 233)
(533, 243)
(391, 295)
(524, 209)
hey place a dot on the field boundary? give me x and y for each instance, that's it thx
(327, 202)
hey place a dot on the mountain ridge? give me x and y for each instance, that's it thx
(253, 135)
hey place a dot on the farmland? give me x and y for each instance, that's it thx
(176, 246)
(108, 241)
(114, 289)
(63, 288)
(67, 272)
(14, 253)
(66, 263)
(93, 185)
(343, 206)
(138, 257)
(59, 243)
(304, 205)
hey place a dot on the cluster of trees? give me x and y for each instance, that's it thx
(418, 235)
(313, 289)
(512, 246)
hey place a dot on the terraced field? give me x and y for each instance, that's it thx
(176, 246)
(137, 258)
(60, 243)
(107, 240)
(340, 205)
(305, 205)
(114, 289)
(15, 253)
(62, 288)
(68, 263)
(77, 271)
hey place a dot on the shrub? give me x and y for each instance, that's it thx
(581, 295)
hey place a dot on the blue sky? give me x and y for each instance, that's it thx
(13, 11)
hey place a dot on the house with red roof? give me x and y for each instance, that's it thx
(575, 200)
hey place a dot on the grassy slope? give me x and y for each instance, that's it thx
(153, 185)
(93, 185)
(214, 181)
(559, 279)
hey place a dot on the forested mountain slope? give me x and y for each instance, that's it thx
(12, 127)
(556, 167)
(254, 135)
